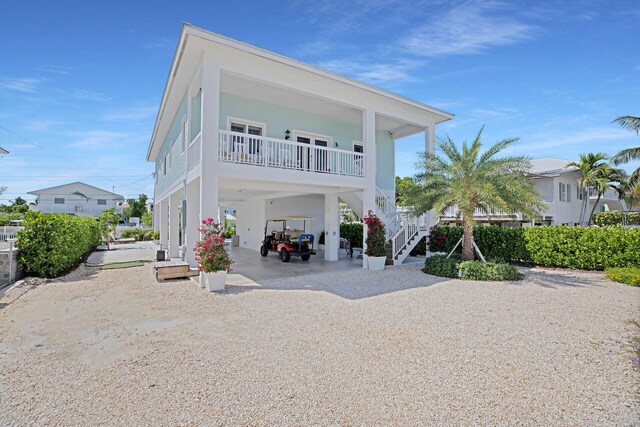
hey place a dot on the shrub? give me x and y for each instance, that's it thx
(51, 244)
(148, 235)
(136, 233)
(353, 232)
(210, 253)
(501, 243)
(440, 265)
(6, 218)
(376, 236)
(156, 236)
(589, 248)
(627, 275)
(615, 218)
(478, 270)
(442, 238)
(420, 248)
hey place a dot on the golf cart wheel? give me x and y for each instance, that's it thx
(285, 256)
(305, 257)
(264, 251)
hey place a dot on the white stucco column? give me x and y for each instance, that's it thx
(331, 227)
(192, 235)
(430, 147)
(175, 200)
(210, 125)
(163, 216)
(369, 136)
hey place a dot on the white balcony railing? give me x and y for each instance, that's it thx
(193, 154)
(454, 212)
(235, 147)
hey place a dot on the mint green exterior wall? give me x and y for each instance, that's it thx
(385, 161)
(279, 118)
(179, 157)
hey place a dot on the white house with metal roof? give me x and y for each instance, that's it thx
(242, 127)
(76, 198)
(558, 187)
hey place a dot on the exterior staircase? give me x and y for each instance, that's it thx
(403, 229)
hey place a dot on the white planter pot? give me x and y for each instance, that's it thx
(321, 247)
(213, 281)
(376, 262)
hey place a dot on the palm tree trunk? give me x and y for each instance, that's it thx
(467, 241)
(594, 207)
(582, 206)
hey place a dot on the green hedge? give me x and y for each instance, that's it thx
(352, 231)
(496, 243)
(615, 218)
(139, 234)
(590, 248)
(50, 244)
(478, 270)
(439, 265)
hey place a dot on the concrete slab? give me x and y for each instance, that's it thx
(141, 251)
(253, 266)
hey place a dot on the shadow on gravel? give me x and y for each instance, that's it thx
(351, 285)
(560, 279)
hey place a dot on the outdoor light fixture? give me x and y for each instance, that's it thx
(336, 143)
(287, 135)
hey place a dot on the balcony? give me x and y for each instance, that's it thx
(453, 213)
(241, 148)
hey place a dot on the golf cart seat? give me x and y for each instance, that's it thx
(278, 235)
(293, 234)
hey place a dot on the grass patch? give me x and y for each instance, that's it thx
(118, 265)
(627, 275)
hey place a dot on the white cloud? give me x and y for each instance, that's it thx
(21, 84)
(101, 138)
(133, 114)
(466, 29)
(371, 72)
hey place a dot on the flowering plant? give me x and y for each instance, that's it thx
(375, 235)
(210, 252)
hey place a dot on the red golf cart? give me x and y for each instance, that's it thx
(286, 242)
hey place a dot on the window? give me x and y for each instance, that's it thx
(58, 200)
(164, 166)
(563, 192)
(102, 202)
(578, 193)
(170, 157)
(568, 192)
(196, 115)
(358, 147)
(246, 145)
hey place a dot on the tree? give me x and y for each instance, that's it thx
(147, 219)
(473, 180)
(137, 207)
(403, 187)
(590, 166)
(107, 222)
(19, 201)
(606, 178)
(631, 123)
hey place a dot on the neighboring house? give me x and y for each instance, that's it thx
(244, 128)
(76, 198)
(559, 190)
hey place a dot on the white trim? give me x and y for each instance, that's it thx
(356, 142)
(312, 136)
(247, 123)
(185, 129)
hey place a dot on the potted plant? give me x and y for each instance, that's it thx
(214, 261)
(376, 252)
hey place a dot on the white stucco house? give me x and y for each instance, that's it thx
(243, 128)
(559, 190)
(76, 198)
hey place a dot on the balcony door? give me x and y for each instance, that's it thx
(246, 145)
(313, 158)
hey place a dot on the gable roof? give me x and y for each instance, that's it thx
(550, 166)
(191, 30)
(74, 186)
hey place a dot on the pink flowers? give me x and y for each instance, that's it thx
(210, 252)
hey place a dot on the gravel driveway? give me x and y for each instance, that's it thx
(350, 348)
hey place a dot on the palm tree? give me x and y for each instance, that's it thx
(631, 123)
(606, 178)
(473, 180)
(590, 166)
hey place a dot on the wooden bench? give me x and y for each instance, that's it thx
(170, 270)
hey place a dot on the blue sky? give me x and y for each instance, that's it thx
(82, 80)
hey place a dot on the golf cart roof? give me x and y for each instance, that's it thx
(291, 218)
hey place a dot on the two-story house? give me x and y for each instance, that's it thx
(76, 198)
(558, 187)
(245, 128)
